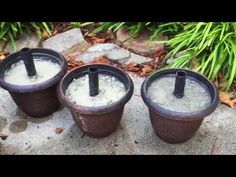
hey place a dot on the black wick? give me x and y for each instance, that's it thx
(27, 57)
(180, 80)
(93, 81)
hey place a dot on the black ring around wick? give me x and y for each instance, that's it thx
(27, 57)
(180, 81)
(93, 81)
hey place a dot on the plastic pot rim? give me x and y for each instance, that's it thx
(34, 87)
(183, 116)
(99, 109)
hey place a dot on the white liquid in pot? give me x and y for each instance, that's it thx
(196, 97)
(17, 74)
(110, 90)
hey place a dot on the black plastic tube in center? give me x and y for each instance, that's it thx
(93, 81)
(28, 61)
(180, 83)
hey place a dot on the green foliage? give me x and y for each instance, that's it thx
(10, 31)
(212, 45)
(80, 24)
(135, 28)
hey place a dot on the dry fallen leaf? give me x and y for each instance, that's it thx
(71, 55)
(77, 63)
(146, 70)
(131, 66)
(61, 27)
(2, 57)
(97, 40)
(102, 59)
(59, 130)
(157, 59)
(74, 64)
(54, 32)
(76, 53)
(45, 34)
(86, 34)
(226, 98)
(159, 53)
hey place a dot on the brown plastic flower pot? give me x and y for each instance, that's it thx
(37, 100)
(98, 121)
(177, 127)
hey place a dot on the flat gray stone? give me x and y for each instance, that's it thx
(66, 42)
(134, 135)
(25, 40)
(112, 52)
(140, 44)
(138, 59)
(103, 47)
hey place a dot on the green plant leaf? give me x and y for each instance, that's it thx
(47, 28)
(12, 41)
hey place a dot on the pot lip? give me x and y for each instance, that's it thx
(184, 116)
(99, 109)
(39, 86)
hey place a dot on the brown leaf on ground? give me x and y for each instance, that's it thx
(58, 130)
(157, 59)
(45, 34)
(159, 53)
(61, 27)
(2, 57)
(55, 32)
(74, 64)
(68, 58)
(146, 70)
(73, 54)
(3, 137)
(227, 98)
(102, 59)
(95, 40)
(76, 53)
(131, 66)
(86, 34)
